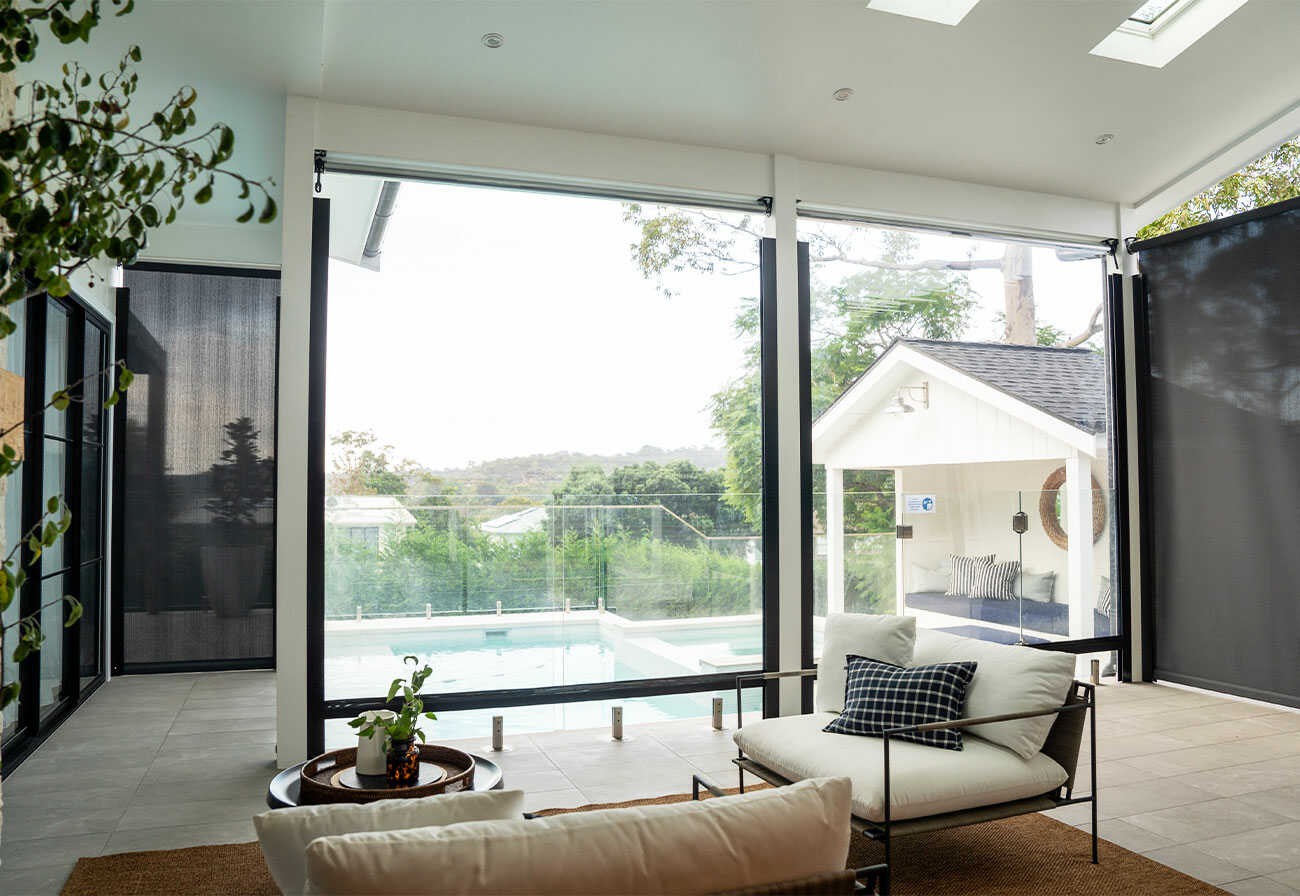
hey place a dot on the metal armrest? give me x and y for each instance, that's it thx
(765, 676)
(985, 720)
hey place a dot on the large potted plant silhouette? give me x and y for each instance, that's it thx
(234, 558)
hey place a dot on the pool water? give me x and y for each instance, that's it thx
(362, 663)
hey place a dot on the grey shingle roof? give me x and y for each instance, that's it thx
(1069, 383)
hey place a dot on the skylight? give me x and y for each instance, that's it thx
(1159, 30)
(945, 12)
(1150, 12)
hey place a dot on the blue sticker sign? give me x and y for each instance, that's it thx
(918, 503)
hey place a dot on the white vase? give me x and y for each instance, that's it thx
(372, 751)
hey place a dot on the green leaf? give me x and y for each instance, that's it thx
(125, 379)
(52, 505)
(112, 399)
(9, 693)
(247, 215)
(59, 400)
(74, 610)
(269, 211)
(204, 194)
(59, 286)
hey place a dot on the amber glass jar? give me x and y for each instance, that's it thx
(403, 767)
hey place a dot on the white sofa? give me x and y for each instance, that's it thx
(1021, 742)
(787, 840)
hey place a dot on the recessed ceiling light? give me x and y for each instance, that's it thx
(492, 40)
(1103, 139)
(843, 94)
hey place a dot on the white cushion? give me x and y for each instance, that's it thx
(929, 580)
(923, 780)
(1007, 679)
(685, 848)
(882, 637)
(285, 833)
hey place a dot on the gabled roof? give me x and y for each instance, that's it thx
(1067, 383)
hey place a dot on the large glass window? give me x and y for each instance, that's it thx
(58, 345)
(543, 460)
(959, 435)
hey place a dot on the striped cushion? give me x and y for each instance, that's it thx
(964, 571)
(1106, 598)
(880, 697)
(996, 580)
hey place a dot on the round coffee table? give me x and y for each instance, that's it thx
(282, 792)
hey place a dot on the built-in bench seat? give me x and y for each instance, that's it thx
(1050, 619)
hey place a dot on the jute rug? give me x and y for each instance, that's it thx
(1032, 854)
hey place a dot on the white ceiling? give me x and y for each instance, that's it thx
(1009, 97)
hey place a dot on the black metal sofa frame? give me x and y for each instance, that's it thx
(1063, 744)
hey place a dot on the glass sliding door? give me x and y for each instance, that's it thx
(960, 433)
(543, 465)
(59, 344)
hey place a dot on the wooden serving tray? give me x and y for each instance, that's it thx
(442, 770)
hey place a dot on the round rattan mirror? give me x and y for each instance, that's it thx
(1049, 504)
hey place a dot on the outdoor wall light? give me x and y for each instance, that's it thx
(899, 404)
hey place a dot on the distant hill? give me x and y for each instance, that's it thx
(539, 474)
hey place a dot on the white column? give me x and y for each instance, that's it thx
(834, 540)
(900, 549)
(291, 448)
(784, 228)
(1078, 526)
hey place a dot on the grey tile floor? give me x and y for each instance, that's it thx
(1204, 784)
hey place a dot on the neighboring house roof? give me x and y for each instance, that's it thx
(1068, 383)
(530, 519)
(367, 510)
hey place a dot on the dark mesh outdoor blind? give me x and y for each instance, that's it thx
(1224, 420)
(198, 503)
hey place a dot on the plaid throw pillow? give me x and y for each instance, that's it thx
(997, 580)
(879, 697)
(964, 571)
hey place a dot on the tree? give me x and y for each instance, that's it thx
(1272, 177)
(674, 240)
(243, 479)
(364, 467)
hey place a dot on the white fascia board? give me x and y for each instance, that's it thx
(1161, 44)
(829, 427)
(1232, 158)
(945, 12)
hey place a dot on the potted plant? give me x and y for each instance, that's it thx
(234, 564)
(402, 768)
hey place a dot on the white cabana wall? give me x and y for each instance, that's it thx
(975, 449)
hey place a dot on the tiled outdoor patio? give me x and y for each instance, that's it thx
(1207, 785)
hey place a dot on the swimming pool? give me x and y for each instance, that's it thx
(492, 653)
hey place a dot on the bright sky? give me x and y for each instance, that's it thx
(508, 323)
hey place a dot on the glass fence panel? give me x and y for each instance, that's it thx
(670, 716)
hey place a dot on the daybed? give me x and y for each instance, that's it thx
(1022, 731)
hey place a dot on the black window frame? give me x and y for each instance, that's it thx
(319, 709)
(33, 725)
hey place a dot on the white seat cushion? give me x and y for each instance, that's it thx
(728, 843)
(285, 833)
(880, 637)
(1007, 679)
(923, 780)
